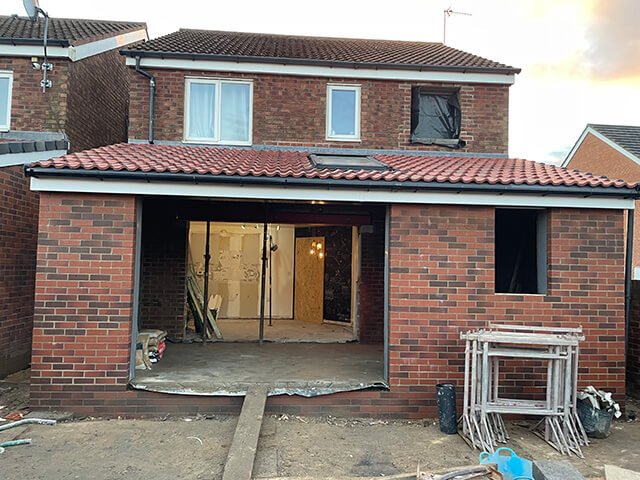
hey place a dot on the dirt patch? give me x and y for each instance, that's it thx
(14, 392)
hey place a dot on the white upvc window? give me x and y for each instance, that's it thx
(343, 112)
(6, 85)
(218, 111)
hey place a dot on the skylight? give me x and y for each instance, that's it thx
(347, 162)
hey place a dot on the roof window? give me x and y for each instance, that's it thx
(352, 162)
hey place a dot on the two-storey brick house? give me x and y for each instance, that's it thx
(86, 106)
(348, 204)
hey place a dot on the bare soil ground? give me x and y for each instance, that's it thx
(290, 446)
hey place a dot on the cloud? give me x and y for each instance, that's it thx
(614, 43)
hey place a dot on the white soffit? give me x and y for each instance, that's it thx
(74, 53)
(337, 194)
(321, 71)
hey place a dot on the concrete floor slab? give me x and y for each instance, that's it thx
(283, 330)
(307, 369)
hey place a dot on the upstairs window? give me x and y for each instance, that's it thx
(521, 251)
(435, 117)
(218, 111)
(6, 83)
(343, 112)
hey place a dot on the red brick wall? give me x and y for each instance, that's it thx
(83, 299)
(372, 281)
(32, 110)
(446, 285)
(98, 101)
(18, 243)
(441, 282)
(164, 268)
(633, 358)
(88, 101)
(290, 110)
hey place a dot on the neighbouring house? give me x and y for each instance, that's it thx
(349, 208)
(85, 107)
(614, 151)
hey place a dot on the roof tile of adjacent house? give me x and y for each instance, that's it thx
(246, 162)
(16, 30)
(625, 136)
(298, 49)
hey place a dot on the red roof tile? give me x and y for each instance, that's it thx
(241, 162)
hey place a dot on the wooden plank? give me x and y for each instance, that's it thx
(244, 446)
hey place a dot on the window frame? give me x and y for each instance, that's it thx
(542, 251)
(348, 87)
(6, 126)
(218, 82)
(435, 91)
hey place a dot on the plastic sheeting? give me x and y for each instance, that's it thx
(435, 118)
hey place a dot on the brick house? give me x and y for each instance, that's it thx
(350, 205)
(614, 151)
(88, 76)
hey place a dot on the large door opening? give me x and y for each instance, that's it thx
(323, 322)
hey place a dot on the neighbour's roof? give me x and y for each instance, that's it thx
(244, 164)
(625, 136)
(349, 52)
(63, 32)
(13, 145)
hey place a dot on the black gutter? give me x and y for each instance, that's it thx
(627, 280)
(33, 41)
(330, 182)
(316, 62)
(152, 95)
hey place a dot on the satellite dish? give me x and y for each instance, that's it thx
(32, 7)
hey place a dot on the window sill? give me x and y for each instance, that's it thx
(210, 142)
(339, 139)
(447, 142)
(521, 294)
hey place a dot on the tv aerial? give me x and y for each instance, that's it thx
(447, 13)
(34, 11)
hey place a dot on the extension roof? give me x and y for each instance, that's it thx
(303, 50)
(258, 165)
(63, 32)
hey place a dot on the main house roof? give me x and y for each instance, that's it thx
(351, 52)
(242, 165)
(625, 136)
(62, 32)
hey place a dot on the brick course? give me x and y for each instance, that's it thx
(291, 111)
(18, 243)
(441, 282)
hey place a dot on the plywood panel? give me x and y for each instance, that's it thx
(309, 281)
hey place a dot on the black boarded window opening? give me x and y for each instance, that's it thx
(520, 255)
(435, 117)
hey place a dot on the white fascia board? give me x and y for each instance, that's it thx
(33, 51)
(604, 139)
(74, 53)
(321, 71)
(284, 193)
(100, 46)
(11, 159)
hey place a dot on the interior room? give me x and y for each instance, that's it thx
(295, 295)
(309, 274)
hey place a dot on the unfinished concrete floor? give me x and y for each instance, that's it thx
(282, 330)
(307, 369)
(288, 447)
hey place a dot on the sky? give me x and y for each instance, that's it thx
(580, 59)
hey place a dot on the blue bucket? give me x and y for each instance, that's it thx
(510, 465)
